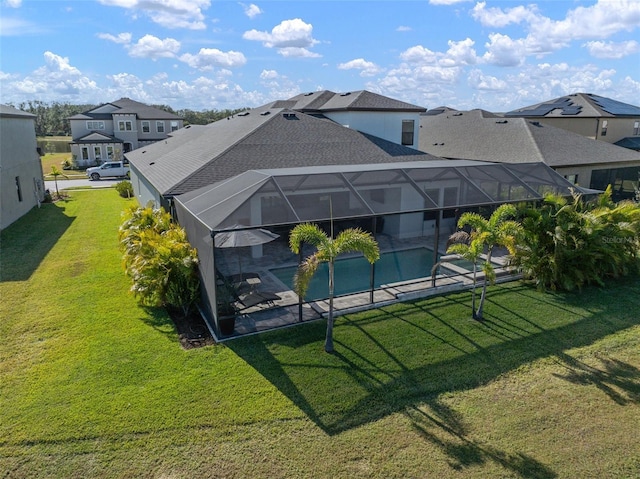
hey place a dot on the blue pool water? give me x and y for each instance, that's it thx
(352, 274)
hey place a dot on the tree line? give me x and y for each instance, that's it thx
(52, 118)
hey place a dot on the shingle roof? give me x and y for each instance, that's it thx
(478, 135)
(261, 138)
(578, 105)
(9, 111)
(362, 100)
(128, 107)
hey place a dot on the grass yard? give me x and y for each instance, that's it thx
(94, 386)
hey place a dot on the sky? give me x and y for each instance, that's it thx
(214, 54)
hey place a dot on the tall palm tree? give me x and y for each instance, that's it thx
(499, 230)
(327, 250)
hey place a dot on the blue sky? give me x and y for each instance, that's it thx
(208, 54)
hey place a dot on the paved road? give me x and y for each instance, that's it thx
(83, 183)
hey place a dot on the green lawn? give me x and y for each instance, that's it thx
(93, 385)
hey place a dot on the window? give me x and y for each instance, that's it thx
(146, 127)
(573, 179)
(407, 132)
(85, 153)
(95, 125)
(109, 152)
(174, 125)
(636, 128)
(97, 152)
(125, 125)
(160, 126)
(18, 189)
(604, 128)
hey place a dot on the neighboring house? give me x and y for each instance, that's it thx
(480, 135)
(107, 132)
(21, 181)
(589, 115)
(307, 130)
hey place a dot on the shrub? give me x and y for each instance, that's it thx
(125, 189)
(161, 263)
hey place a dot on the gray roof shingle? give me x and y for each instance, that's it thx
(479, 135)
(264, 138)
(577, 105)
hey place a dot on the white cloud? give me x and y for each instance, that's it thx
(268, 74)
(418, 54)
(545, 35)
(367, 69)
(168, 13)
(252, 10)
(13, 3)
(403, 28)
(292, 38)
(615, 50)
(460, 53)
(208, 58)
(480, 81)
(56, 80)
(496, 17)
(154, 48)
(505, 52)
(121, 38)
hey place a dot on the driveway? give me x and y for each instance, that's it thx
(83, 183)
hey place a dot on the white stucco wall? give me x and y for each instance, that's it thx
(384, 124)
(19, 164)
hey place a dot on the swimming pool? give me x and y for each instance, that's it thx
(352, 274)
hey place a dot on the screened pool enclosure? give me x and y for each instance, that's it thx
(404, 205)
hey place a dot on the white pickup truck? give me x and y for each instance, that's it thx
(109, 169)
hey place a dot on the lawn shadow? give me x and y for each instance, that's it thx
(440, 425)
(380, 381)
(27, 241)
(617, 379)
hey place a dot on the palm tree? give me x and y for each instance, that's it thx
(327, 250)
(55, 172)
(498, 230)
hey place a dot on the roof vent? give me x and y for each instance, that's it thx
(308, 94)
(244, 113)
(152, 163)
(345, 94)
(502, 121)
(265, 113)
(535, 123)
(458, 114)
(289, 116)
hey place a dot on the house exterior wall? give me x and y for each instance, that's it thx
(80, 128)
(384, 124)
(584, 173)
(21, 181)
(143, 190)
(616, 130)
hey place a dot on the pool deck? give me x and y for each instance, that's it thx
(287, 311)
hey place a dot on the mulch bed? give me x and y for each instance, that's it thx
(192, 331)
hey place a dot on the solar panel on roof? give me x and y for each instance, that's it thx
(572, 110)
(615, 107)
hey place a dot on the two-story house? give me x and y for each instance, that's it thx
(589, 115)
(21, 182)
(108, 131)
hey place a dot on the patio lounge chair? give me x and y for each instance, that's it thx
(256, 298)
